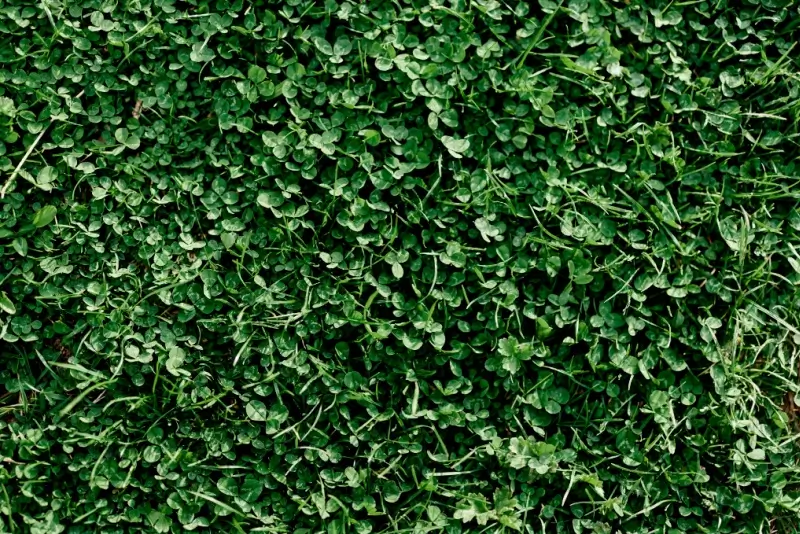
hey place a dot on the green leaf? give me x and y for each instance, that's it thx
(126, 138)
(6, 305)
(46, 176)
(371, 137)
(160, 522)
(20, 245)
(473, 507)
(456, 147)
(228, 239)
(227, 486)
(177, 357)
(323, 46)
(411, 342)
(295, 72)
(251, 489)
(342, 46)
(270, 199)
(256, 410)
(7, 107)
(397, 270)
(201, 53)
(44, 216)
(661, 404)
(391, 492)
(543, 328)
(152, 454)
(256, 74)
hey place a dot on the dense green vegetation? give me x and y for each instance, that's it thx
(399, 266)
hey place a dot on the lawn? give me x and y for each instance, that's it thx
(399, 266)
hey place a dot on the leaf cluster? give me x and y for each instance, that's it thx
(399, 266)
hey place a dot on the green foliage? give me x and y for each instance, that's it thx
(409, 266)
